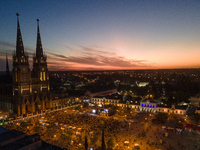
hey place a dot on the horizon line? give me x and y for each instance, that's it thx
(122, 70)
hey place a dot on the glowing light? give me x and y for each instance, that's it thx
(94, 111)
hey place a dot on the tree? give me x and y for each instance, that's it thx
(69, 132)
(94, 139)
(86, 143)
(65, 139)
(36, 127)
(103, 145)
(111, 143)
(23, 124)
(78, 107)
(160, 118)
(30, 122)
(50, 133)
(136, 148)
(142, 91)
(86, 105)
(128, 109)
(37, 123)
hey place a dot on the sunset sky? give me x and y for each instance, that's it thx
(105, 34)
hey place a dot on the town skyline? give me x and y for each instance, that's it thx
(105, 35)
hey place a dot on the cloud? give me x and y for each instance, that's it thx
(3, 43)
(96, 57)
(10, 48)
(95, 49)
(81, 58)
(58, 55)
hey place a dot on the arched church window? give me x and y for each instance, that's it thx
(44, 76)
(41, 76)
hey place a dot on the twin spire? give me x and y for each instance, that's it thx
(39, 50)
(19, 43)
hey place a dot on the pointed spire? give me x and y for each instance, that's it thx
(7, 66)
(19, 44)
(39, 50)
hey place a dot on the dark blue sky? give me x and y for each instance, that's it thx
(105, 34)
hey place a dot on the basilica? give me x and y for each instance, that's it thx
(29, 92)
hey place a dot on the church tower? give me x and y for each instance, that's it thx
(40, 76)
(21, 75)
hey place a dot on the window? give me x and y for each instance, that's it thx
(41, 76)
(44, 76)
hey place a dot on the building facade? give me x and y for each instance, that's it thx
(31, 93)
(146, 106)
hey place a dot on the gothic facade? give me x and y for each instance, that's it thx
(31, 93)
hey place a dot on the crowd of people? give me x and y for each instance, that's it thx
(137, 131)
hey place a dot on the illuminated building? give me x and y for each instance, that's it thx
(31, 94)
(26, 93)
(146, 105)
(105, 100)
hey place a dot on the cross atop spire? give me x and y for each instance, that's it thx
(19, 43)
(39, 49)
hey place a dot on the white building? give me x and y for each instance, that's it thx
(146, 105)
